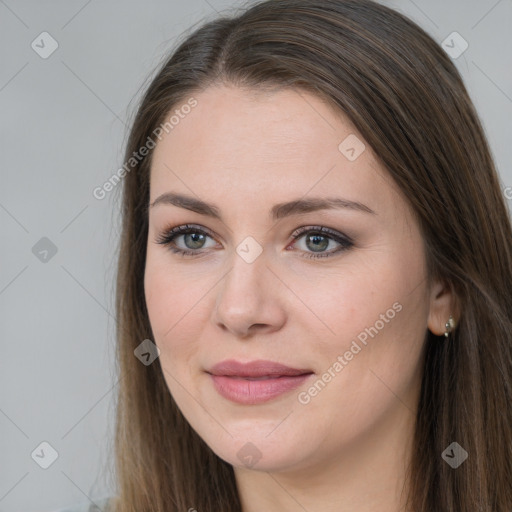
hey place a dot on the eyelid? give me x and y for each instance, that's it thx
(324, 230)
(182, 229)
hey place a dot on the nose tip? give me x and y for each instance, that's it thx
(248, 301)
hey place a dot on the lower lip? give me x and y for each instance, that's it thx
(250, 392)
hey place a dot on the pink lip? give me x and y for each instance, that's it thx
(232, 380)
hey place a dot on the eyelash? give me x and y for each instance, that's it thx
(168, 236)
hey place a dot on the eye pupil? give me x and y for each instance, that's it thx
(196, 237)
(317, 238)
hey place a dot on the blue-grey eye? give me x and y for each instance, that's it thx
(318, 242)
(196, 240)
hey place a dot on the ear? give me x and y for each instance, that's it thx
(443, 303)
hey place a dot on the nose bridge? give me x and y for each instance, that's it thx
(247, 273)
(245, 296)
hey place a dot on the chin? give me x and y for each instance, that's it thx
(258, 452)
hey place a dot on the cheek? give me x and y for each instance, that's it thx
(350, 300)
(379, 336)
(174, 306)
(371, 365)
(376, 314)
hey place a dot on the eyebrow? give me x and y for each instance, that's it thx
(277, 212)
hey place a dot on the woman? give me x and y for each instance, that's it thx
(314, 275)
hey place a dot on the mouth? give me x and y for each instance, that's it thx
(257, 381)
(256, 369)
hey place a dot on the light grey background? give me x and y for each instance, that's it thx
(63, 125)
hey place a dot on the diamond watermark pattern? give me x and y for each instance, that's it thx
(44, 45)
(146, 352)
(249, 455)
(454, 455)
(44, 455)
(351, 147)
(455, 45)
(249, 249)
(44, 250)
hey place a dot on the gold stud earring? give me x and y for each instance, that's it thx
(449, 326)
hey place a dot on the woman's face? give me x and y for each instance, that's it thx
(347, 307)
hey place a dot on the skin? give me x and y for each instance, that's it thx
(245, 151)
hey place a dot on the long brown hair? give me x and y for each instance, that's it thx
(408, 101)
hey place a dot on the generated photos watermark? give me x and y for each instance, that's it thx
(305, 397)
(137, 156)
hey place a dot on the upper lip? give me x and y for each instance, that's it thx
(258, 368)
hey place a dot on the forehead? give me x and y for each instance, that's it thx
(250, 146)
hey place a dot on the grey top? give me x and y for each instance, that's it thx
(98, 505)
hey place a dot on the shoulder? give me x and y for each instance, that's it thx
(98, 505)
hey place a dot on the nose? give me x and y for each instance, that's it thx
(249, 299)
